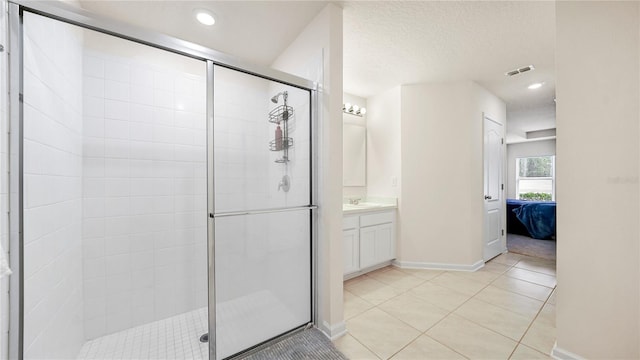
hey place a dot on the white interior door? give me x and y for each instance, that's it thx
(493, 188)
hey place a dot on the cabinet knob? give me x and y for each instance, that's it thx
(488, 197)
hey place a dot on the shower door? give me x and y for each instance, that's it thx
(261, 211)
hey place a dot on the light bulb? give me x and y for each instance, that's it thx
(356, 108)
(347, 107)
(363, 111)
(205, 17)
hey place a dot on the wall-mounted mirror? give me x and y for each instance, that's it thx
(354, 162)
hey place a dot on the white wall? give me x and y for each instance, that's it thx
(53, 325)
(144, 185)
(383, 143)
(597, 179)
(441, 208)
(317, 55)
(525, 149)
(355, 191)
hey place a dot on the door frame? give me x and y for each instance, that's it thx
(79, 17)
(503, 235)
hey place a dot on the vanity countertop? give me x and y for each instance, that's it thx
(369, 204)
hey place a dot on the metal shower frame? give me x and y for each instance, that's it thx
(82, 18)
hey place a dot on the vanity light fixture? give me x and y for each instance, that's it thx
(205, 17)
(348, 108)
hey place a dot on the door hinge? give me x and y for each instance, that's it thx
(501, 186)
(502, 232)
(502, 141)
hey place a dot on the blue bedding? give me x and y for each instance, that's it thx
(539, 218)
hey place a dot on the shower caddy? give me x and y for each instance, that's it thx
(280, 116)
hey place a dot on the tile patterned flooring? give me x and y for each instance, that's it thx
(506, 310)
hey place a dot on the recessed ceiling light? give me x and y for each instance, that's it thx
(535, 86)
(205, 17)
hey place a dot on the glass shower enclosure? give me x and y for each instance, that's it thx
(163, 204)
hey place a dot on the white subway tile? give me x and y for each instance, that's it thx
(93, 86)
(93, 247)
(116, 187)
(116, 71)
(141, 168)
(93, 187)
(141, 150)
(141, 205)
(163, 134)
(93, 228)
(93, 147)
(163, 99)
(117, 148)
(163, 204)
(142, 95)
(117, 245)
(92, 207)
(93, 127)
(142, 260)
(163, 116)
(162, 81)
(116, 206)
(95, 308)
(117, 110)
(163, 151)
(94, 288)
(93, 107)
(94, 268)
(116, 129)
(96, 327)
(141, 113)
(141, 131)
(116, 90)
(143, 281)
(117, 226)
(116, 168)
(118, 265)
(93, 66)
(141, 243)
(141, 75)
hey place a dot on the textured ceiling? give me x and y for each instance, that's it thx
(390, 43)
(386, 43)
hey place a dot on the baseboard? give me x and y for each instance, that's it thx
(438, 266)
(333, 331)
(561, 354)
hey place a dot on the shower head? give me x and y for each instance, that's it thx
(284, 94)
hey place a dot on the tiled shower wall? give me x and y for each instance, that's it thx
(53, 325)
(144, 190)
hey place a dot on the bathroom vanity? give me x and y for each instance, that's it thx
(368, 235)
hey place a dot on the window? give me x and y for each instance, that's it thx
(535, 178)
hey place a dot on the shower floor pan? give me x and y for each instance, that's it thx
(176, 337)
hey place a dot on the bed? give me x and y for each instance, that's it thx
(536, 219)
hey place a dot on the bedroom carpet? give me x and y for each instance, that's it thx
(524, 245)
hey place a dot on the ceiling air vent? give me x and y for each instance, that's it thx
(520, 70)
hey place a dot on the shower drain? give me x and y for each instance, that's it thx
(204, 338)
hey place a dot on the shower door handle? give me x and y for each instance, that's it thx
(488, 197)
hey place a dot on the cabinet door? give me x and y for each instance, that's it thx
(351, 251)
(368, 246)
(384, 244)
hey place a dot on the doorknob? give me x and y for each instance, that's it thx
(488, 197)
